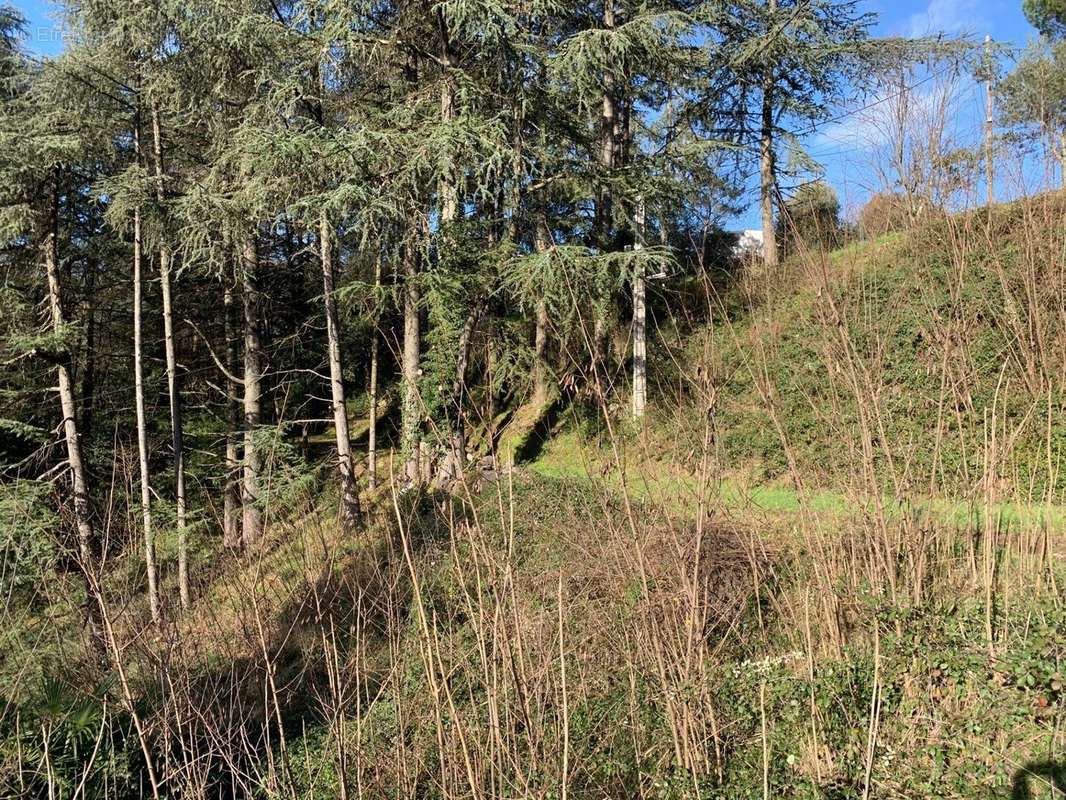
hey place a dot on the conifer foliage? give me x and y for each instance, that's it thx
(245, 217)
(293, 292)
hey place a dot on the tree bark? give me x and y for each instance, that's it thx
(542, 241)
(767, 170)
(456, 461)
(231, 499)
(350, 512)
(173, 387)
(412, 343)
(252, 516)
(605, 201)
(640, 347)
(491, 359)
(372, 433)
(88, 376)
(82, 513)
(449, 212)
(608, 131)
(142, 433)
(449, 195)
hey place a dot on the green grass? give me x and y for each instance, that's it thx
(567, 456)
(887, 341)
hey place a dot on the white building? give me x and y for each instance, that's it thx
(749, 243)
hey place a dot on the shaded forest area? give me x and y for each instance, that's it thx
(385, 411)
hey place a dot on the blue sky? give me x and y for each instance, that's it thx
(842, 148)
(44, 35)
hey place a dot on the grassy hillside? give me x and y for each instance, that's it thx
(931, 362)
(829, 566)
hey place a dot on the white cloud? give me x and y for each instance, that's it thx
(946, 105)
(855, 132)
(946, 16)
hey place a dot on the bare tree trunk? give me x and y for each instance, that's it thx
(491, 359)
(142, 433)
(372, 433)
(173, 388)
(767, 169)
(82, 514)
(901, 127)
(412, 344)
(608, 122)
(456, 461)
(640, 347)
(541, 371)
(449, 211)
(449, 195)
(605, 201)
(252, 518)
(88, 376)
(542, 241)
(350, 511)
(231, 499)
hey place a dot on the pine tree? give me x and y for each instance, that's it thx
(790, 63)
(1033, 97)
(1047, 16)
(138, 371)
(173, 381)
(127, 57)
(41, 147)
(520, 171)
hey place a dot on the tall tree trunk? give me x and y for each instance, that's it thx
(767, 178)
(88, 375)
(542, 241)
(173, 387)
(456, 462)
(252, 517)
(608, 131)
(449, 195)
(491, 359)
(79, 477)
(350, 511)
(142, 432)
(517, 172)
(541, 371)
(412, 344)
(231, 499)
(640, 347)
(449, 212)
(372, 433)
(605, 202)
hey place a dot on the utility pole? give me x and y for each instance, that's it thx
(988, 76)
